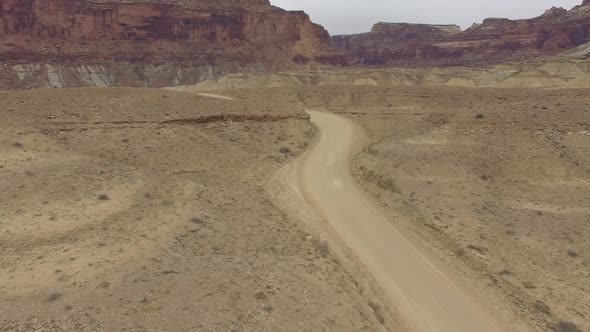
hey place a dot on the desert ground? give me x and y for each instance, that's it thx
(230, 165)
(493, 181)
(147, 209)
(120, 210)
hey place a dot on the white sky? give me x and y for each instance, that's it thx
(354, 16)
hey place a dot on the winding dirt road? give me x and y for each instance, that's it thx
(425, 295)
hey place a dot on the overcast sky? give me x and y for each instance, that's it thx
(353, 16)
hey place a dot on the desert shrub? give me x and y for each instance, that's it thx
(460, 252)
(438, 119)
(322, 247)
(564, 326)
(529, 285)
(197, 220)
(573, 254)
(103, 197)
(372, 150)
(389, 185)
(542, 307)
(378, 311)
(479, 116)
(260, 296)
(480, 250)
(53, 296)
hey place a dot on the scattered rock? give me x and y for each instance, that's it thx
(529, 285)
(103, 197)
(197, 221)
(104, 285)
(54, 296)
(572, 253)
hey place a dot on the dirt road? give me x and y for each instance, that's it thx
(423, 293)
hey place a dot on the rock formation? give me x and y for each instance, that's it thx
(65, 43)
(495, 40)
(155, 43)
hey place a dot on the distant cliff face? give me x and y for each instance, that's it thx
(192, 39)
(71, 20)
(64, 43)
(408, 30)
(495, 40)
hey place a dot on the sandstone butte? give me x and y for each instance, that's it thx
(494, 41)
(64, 43)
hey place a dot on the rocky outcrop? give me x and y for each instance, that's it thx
(494, 41)
(155, 43)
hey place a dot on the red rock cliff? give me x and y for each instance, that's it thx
(495, 40)
(221, 36)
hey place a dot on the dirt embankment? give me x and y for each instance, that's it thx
(113, 218)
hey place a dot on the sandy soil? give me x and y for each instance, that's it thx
(120, 210)
(495, 182)
(492, 182)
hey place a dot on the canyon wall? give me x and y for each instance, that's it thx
(154, 43)
(68, 43)
(494, 41)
